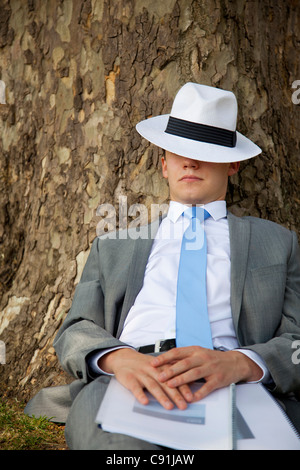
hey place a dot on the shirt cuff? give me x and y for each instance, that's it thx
(94, 358)
(266, 376)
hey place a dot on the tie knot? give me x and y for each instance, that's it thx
(196, 212)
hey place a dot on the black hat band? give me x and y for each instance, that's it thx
(201, 132)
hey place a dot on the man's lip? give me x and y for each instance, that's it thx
(190, 177)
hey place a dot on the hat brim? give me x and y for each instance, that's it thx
(153, 129)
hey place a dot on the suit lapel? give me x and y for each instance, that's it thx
(239, 231)
(136, 273)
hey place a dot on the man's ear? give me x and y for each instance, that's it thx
(233, 168)
(164, 167)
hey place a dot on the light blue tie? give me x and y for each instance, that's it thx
(192, 323)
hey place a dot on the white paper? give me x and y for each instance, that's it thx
(258, 424)
(203, 425)
(270, 427)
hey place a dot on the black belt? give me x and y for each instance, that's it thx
(159, 346)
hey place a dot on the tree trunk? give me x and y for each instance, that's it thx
(79, 75)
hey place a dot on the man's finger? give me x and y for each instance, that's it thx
(185, 370)
(209, 386)
(186, 393)
(169, 356)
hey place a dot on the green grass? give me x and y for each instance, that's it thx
(20, 432)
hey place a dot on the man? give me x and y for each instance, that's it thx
(127, 298)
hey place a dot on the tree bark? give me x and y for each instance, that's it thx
(79, 76)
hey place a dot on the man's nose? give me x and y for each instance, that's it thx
(191, 163)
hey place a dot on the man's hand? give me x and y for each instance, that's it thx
(135, 372)
(181, 366)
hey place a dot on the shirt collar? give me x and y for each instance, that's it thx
(217, 210)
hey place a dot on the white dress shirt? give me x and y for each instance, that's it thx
(153, 315)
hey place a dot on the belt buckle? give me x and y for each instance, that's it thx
(157, 345)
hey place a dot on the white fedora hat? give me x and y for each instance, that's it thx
(201, 126)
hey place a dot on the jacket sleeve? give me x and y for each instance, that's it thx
(279, 351)
(83, 331)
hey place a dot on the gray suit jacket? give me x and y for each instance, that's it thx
(265, 300)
